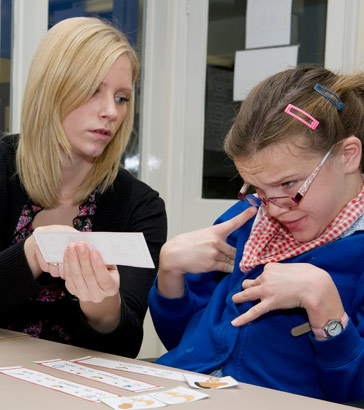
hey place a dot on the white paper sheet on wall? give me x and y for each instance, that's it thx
(268, 23)
(253, 66)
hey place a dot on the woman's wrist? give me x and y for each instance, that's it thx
(30, 254)
(104, 316)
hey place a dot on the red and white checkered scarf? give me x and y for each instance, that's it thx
(270, 241)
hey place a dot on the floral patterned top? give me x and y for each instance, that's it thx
(54, 291)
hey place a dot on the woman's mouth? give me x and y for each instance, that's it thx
(102, 133)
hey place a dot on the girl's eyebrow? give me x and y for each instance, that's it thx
(278, 181)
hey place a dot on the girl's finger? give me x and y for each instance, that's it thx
(226, 228)
(253, 313)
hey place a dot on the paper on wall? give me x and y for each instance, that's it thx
(268, 23)
(253, 66)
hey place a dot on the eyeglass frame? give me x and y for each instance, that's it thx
(257, 201)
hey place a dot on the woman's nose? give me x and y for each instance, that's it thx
(108, 108)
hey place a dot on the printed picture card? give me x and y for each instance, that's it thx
(210, 382)
(178, 395)
(55, 383)
(132, 368)
(98, 375)
(133, 402)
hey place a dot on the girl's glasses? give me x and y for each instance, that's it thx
(284, 201)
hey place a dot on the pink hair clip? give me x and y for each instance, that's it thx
(312, 124)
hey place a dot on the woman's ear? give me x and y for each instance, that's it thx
(352, 150)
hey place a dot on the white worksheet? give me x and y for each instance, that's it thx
(98, 375)
(55, 383)
(131, 367)
(116, 248)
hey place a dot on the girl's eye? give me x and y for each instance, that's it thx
(258, 191)
(121, 100)
(289, 184)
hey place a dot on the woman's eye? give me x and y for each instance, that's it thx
(121, 100)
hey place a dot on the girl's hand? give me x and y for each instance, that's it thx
(291, 285)
(199, 251)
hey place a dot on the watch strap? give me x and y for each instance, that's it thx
(321, 332)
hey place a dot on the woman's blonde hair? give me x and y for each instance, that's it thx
(66, 70)
(262, 121)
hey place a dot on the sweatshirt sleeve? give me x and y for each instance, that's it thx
(171, 316)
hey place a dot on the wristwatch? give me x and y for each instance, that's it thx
(332, 328)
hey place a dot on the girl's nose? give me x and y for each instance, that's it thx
(275, 211)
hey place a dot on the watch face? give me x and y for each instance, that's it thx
(334, 327)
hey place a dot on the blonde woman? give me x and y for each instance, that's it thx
(63, 172)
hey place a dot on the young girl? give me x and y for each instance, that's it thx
(290, 314)
(63, 173)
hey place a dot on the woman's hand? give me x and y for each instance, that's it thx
(86, 275)
(291, 285)
(34, 257)
(95, 284)
(199, 251)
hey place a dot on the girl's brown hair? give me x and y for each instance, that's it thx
(261, 120)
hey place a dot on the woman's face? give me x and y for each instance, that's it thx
(282, 169)
(91, 126)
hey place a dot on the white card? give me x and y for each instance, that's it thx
(116, 248)
(55, 383)
(178, 395)
(134, 402)
(98, 375)
(132, 368)
(209, 382)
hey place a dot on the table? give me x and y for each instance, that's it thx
(17, 350)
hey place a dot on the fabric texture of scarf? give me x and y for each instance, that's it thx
(270, 241)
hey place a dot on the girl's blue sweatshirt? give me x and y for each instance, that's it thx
(196, 328)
